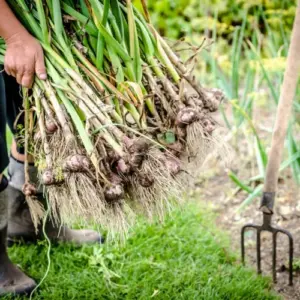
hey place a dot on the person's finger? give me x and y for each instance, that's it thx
(12, 72)
(19, 76)
(7, 70)
(40, 68)
(8, 66)
(27, 79)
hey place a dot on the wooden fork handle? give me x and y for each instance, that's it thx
(287, 95)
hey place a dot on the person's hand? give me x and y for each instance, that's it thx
(24, 59)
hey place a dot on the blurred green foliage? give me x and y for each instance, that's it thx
(244, 55)
(179, 18)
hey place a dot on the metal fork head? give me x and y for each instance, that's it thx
(266, 226)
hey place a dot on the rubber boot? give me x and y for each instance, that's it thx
(21, 228)
(20, 225)
(12, 280)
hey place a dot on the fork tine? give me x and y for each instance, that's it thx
(258, 252)
(291, 240)
(243, 243)
(291, 252)
(243, 231)
(274, 255)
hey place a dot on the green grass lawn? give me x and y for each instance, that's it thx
(185, 258)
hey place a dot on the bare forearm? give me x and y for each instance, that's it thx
(9, 24)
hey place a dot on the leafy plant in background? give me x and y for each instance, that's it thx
(256, 67)
(190, 17)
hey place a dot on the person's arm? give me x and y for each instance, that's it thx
(24, 55)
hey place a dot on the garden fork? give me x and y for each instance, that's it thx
(287, 94)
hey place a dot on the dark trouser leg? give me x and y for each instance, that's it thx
(3, 146)
(14, 107)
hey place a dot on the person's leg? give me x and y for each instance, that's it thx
(20, 225)
(12, 280)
